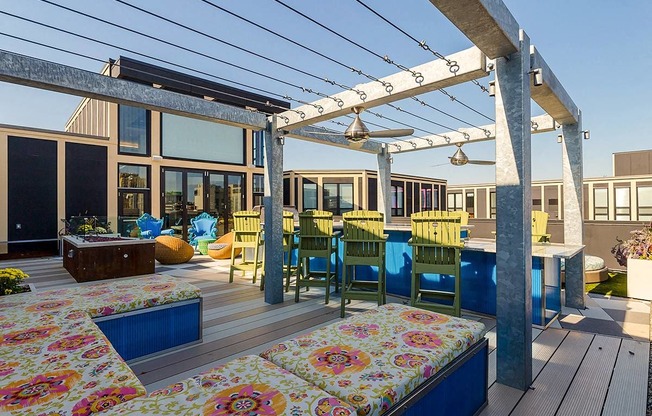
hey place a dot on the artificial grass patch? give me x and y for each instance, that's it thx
(616, 285)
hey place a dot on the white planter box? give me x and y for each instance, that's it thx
(639, 279)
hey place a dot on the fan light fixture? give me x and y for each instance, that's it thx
(459, 158)
(357, 132)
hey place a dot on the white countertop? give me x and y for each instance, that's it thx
(538, 249)
(78, 241)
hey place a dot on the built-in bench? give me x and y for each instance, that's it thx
(391, 359)
(248, 385)
(394, 358)
(58, 347)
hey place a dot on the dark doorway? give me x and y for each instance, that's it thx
(32, 196)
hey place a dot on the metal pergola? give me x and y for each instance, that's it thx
(521, 74)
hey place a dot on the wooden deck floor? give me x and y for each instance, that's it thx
(574, 373)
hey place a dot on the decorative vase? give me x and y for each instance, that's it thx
(639, 279)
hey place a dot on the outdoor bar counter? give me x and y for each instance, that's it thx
(478, 285)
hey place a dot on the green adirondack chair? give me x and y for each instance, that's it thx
(364, 245)
(316, 240)
(540, 227)
(247, 233)
(436, 248)
(288, 246)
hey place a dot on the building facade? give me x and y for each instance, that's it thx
(116, 162)
(339, 191)
(625, 196)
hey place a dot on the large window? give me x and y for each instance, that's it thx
(644, 203)
(600, 204)
(309, 196)
(426, 197)
(455, 201)
(133, 196)
(338, 197)
(470, 203)
(133, 130)
(259, 148)
(435, 197)
(623, 204)
(259, 189)
(492, 204)
(188, 138)
(397, 200)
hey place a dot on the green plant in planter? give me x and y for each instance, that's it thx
(639, 246)
(11, 280)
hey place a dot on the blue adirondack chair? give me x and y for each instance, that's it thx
(151, 227)
(203, 225)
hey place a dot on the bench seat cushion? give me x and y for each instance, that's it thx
(109, 297)
(60, 365)
(374, 359)
(249, 385)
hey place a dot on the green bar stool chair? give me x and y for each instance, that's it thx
(364, 245)
(436, 248)
(247, 233)
(288, 245)
(316, 240)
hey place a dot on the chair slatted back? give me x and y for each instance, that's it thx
(363, 233)
(539, 224)
(246, 225)
(316, 230)
(435, 238)
(464, 216)
(288, 228)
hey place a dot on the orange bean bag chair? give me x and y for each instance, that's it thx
(221, 249)
(172, 250)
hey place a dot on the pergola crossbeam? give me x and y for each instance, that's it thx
(487, 23)
(436, 75)
(37, 73)
(539, 124)
(551, 95)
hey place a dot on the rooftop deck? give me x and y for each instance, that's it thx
(575, 373)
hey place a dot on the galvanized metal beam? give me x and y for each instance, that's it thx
(487, 23)
(332, 138)
(539, 124)
(37, 73)
(436, 74)
(551, 95)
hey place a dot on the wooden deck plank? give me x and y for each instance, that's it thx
(502, 400)
(551, 384)
(544, 347)
(588, 390)
(628, 389)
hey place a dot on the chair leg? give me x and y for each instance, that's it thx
(262, 270)
(255, 263)
(232, 263)
(288, 272)
(343, 292)
(337, 289)
(327, 282)
(307, 275)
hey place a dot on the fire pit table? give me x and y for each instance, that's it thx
(89, 258)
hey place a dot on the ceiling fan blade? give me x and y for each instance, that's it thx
(325, 133)
(482, 162)
(391, 133)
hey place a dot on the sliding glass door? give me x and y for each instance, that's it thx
(188, 193)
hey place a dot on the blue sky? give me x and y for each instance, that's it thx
(599, 50)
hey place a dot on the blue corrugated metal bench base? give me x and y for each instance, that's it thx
(458, 389)
(138, 334)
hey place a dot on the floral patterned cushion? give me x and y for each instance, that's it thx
(107, 298)
(246, 386)
(375, 359)
(60, 365)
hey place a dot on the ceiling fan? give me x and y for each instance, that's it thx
(460, 158)
(358, 133)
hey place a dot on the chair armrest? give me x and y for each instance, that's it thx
(146, 234)
(169, 231)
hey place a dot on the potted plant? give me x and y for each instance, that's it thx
(635, 254)
(11, 281)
